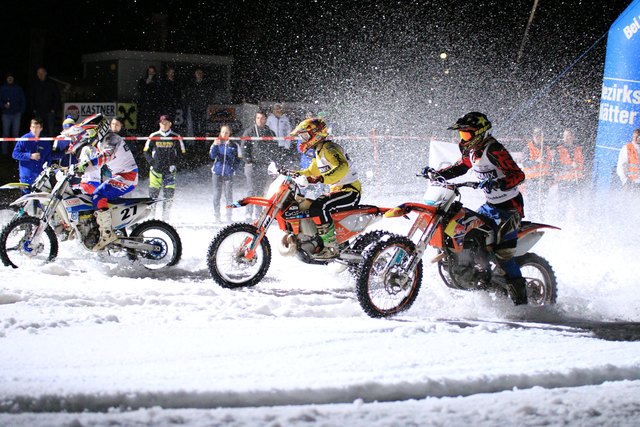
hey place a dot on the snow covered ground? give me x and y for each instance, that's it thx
(90, 341)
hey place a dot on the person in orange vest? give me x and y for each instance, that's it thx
(537, 170)
(568, 172)
(628, 166)
(569, 167)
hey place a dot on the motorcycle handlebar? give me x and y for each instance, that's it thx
(436, 178)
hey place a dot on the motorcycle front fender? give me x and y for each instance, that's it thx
(23, 200)
(15, 186)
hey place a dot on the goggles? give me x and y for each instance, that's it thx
(305, 136)
(466, 135)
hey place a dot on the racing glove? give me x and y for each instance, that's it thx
(489, 185)
(429, 172)
(172, 168)
(288, 172)
(82, 166)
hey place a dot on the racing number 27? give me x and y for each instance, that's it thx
(129, 212)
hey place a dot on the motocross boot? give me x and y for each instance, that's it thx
(107, 235)
(517, 289)
(328, 235)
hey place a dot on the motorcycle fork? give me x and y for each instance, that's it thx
(46, 216)
(429, 224)
(263, 224)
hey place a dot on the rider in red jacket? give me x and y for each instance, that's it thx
(499, 177)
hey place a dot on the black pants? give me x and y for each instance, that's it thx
(323, 206)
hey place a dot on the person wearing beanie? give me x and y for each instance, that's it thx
(61, 145)
(162, 151)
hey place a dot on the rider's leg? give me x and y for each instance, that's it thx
(322, 207)
(508, 222)
(115, 187)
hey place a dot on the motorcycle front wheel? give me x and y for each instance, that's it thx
(542, 287)
(229, 261)
(163, 237)
(18, 247)
(384, 286)
(362, 242)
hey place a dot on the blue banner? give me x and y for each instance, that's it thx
(619, 111)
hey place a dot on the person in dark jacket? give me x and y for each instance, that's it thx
(45, 101)
(32, 154)
(148, 96)
(13, 105)
(162, 150)
(256, 156)
(224, 153)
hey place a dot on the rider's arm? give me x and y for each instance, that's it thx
(312, 170)
(107, 150)
(457, 169)
(338, 161)
(500, 156)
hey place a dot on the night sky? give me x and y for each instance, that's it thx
(378, 60)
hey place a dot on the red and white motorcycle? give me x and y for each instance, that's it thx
(390, 274)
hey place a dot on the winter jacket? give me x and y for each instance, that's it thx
(45, 97)
(15, 95)
(225, 157)
(261, 152)
(490, 159)
(163, 153)
(30, 169)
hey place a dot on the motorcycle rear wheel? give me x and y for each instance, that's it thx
(17, 248)
(226, 259)
(383, 286)
(542, 287)
(162, 235)
(362, 242)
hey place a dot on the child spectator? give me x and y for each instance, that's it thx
(224, 153)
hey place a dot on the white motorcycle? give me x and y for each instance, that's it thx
(32, 240)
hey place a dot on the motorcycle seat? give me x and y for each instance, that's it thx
(129, 200)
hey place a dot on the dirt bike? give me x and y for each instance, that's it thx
(32, 239)
(240, 254)
(42, 184)
(390, 274)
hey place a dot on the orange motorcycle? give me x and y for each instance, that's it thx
(390, 274)
(240, 254)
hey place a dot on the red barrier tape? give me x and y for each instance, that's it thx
(232, 138)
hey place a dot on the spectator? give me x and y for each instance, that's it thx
(172, 97)
(257, 155)
(45, 101)
(13, 106)
(60, 147)
(198, 99)
(117, 127)
(537, 169)
(628, 168)
(148, 99)
(224, 153)
(162, 151)
(569, 167)
(281, 126)
(569, 175)
(32, 154)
